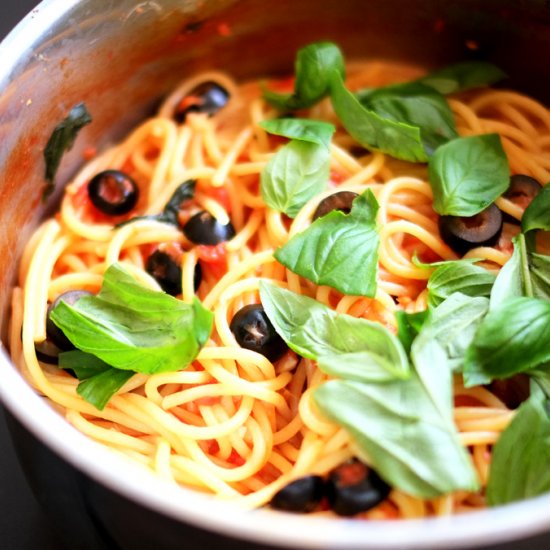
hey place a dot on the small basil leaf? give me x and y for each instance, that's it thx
(99, 389)
(313, 66)
(417, 105)
(315, 331)
(397, 139)
(134, 328)
(338, 250)
(184, 192)
(458, 276)
(520, 457)
(540, 275)
(509, 281)
(402, 431)
(468, 174)
(463, 76)
(514, 337)
(303, 129)
(409, 325)
(296, 173)
(61, 140)
(537, 214)
(84, 365)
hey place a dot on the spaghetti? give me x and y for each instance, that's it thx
(233, 423)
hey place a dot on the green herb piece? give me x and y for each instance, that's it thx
(463, 76)
(537, 214)
(98, 380)
(514, 337)
(400, 427)
(520, 458)
(468, 174)
(184, 192)
(338, 250)
(458, 276)
(134, 328)
(414, 104)
(526, 273)
(298, 171)
(315, 331)
(409, 325)
(303, 129)
(397, 139)
(61, 140)
(313, 67)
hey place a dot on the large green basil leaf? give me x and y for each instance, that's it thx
(313, 67)
(401, 429)
(131, 327)
(338, 250)
(537, 214)
(315, 331)
(458, 276)
(409, 325)
(417, 105)
(400, 140)
(463, 76)
(468, 174)
(514, 337)
(520, 458)
(296, 173)
(303, 129)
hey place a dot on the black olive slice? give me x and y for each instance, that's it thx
(203, 228)
(341, 200)
(353, 488)
(113, 192)
(523, 189)
(301, 495)
(54, 333)
(511, 391)
(166, 270)
(464, 233)
(253, 330)
(208, 97)
(47, 352)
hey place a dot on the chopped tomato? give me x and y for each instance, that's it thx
(336, 178)
(220, 195)
(213, 258)
(282, 85)
(235, 458)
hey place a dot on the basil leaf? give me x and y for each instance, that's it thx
(514, 337)
(184, 192)
(453, 324)
(520, 458)
(315, 331)
(468, 174)
(397, 139)
(338, 250)
(537, 214)
(99, 388)
(296, 173)
(99, 381)
(313, 67)
(402, 431)
(61, 140)
(134, 328)
(524, 274)
(463, 76)
(458, 276)
(409, 325)
(303, 129)
(417, 105)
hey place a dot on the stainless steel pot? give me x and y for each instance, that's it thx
(121, 58)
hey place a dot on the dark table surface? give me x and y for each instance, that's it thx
(23, 524)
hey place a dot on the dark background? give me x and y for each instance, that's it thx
(23, 525)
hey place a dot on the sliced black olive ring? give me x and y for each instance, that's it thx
(168, 273)
(113, 192)
(342, 200)
(208, 97)
(463, 233)
(522, 190)
(253, 330)
(203, 228)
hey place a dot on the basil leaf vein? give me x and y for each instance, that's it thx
(338, 250)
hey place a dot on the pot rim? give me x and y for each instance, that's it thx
(133, 481)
